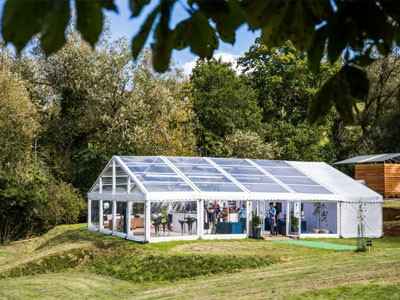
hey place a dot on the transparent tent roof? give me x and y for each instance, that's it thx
(219, 178)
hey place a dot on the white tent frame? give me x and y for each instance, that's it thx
(141, 194)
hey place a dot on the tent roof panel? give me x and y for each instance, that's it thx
(370, 159)
(230, 178)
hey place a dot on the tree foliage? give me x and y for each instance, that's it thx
(18, 119)
(223, 103)
(248, 144)
(285, 86)
(361, 30)
(98, 103)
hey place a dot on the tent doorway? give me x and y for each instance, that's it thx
(264, 210)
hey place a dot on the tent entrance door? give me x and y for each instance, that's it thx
(293, 218)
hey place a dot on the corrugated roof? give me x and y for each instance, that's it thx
(386, 157)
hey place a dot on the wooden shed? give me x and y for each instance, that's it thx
(380, 172)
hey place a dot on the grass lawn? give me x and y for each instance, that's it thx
(69, 263)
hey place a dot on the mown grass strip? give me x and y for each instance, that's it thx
(359, 292)
(318, 245)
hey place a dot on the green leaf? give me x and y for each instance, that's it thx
(317, 49)
(89, 21)
(22, 20)
(344, 90)
(53, 34)
(140, 38)
(197, 33)
(163, 45)
(322, 102)
(227, 16)
(357, 80)
(137, 6)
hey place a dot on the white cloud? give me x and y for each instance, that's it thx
(223, 56)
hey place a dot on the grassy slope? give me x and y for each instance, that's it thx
(299, 270)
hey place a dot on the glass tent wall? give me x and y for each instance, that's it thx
(158, 198)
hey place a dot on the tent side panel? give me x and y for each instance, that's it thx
(373, 220)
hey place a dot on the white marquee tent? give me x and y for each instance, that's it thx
(157, 198)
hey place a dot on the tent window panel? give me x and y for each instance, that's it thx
(173, 218)
(271, 163)
(310, 189)
(243, 170)
(94, 213)
(137, 219)
(107, 188)
(283, 171)
(168, 187)
(120, 217)
(188, 160)
(121, 188)
(231, 162)
(107, 214)
(267, 188)
(254, 179)
(119, 171)
(157, 178)
(151, 169)
(297, 180)
(108, 171)
(107, 180)
(225, 217)
(141, 159)
(319, 217)
(199, 170)
(216, 178)
(121, 180)
(218, 187)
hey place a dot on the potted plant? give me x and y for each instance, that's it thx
(256, 226)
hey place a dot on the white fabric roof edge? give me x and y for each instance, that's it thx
(343, 187)
(338, 182)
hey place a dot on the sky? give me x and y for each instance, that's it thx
(122, 25)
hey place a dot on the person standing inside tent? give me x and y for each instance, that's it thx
(272, 218)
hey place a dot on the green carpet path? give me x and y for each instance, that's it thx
(319, 245)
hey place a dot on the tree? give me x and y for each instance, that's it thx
(248, 144)
(322, 28)
(223, 103)
(32, 202)
(376, 120)
(18, 120)
(285, 86)
(97, 103)
(284, 83)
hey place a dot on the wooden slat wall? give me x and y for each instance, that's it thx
(392, 180)
(382, 178)
(373, 174)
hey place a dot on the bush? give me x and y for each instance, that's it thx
(158, 267)
(32, 202)
(52, 263)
